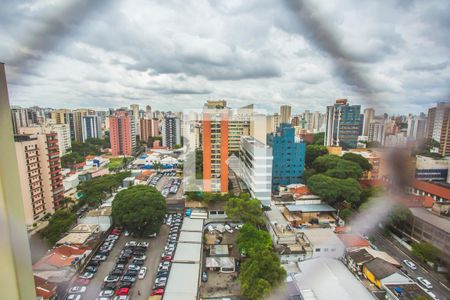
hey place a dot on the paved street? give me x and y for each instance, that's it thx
(153, 256)
(397, 251)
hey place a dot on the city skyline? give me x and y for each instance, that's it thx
(276, 61)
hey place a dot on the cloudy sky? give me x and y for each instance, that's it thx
(392, 55)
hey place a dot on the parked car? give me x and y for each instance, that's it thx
(228, 228)
(123, 292)
(134, 267)
(424, 282)
(204, 276)
(126, 233)
(410, 264)
(111, 278)
(99, 257)
(140, 257)
(125, 284)
(188, 212)
(162, 274)
(87, 275)
(128, 278)
(109, 285)
(142, 273)
(77, 289)
(106, 293)
(164, 266)
(138, 262)
(144, 244)
(166, 258)
(131, 244)
(74, 297)
(158, 292)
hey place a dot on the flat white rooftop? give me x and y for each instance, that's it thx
(182, 282)
(187, 253)
(190, 237)
(192, 225)
(328, 278)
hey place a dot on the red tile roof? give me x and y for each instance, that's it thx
(352, 240)
(68, 250)
(431, 188)
(43, 288)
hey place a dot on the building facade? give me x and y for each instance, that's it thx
(40, 174)
(215, 146)
(255, 168)
(171, 131)
(91, 127)
(343, 122)
(62, 134)
(288, 156)
(285, 113)
(146, 129)
(416, 127)
(376, 132)
(122, 133)
(369, 114)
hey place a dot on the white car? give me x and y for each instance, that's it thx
(143, 244)
(142, 273)
(134, 267)
(228, 228)
(238, 227)
(425, 282)
(106, 293)
(126, 233)
(164, 266)
(74, 297)
(410, 264)
(87, 275)
(432, 296)
(131, 244)
(112, 237)
(210, 228)
(77, 289)
(111, 278)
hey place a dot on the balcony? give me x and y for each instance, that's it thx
(52, 147)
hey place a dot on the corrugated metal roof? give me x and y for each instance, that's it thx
(310, 208)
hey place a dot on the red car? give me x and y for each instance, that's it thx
(82, 281)
(122, 292)
(116, 232)
(166, 258)
(158, 292)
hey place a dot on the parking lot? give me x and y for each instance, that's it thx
(153, 254)
(164, 182)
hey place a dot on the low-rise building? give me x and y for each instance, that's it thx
(405, 291)
(298, 215)
(440, 193)
(100, 217)
(431, 169)
(378, 269)
(324, 242)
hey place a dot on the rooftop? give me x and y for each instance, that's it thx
(192, 225)
(328, 278)
(431, 188)
(320, 236)
(360, 256)
(188, 253)
(435, 220)
(304, 208)
(409, 291)
(380, 268)
(352, 240)
(182, 282)
(190, 237)
(74, 239)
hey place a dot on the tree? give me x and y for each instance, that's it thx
(66, 201)
(70, 159)
(313, 152)
(260, 274)
(426, 251)
(252, 241)
(345, 213)
(325, 163)
(140, 209)
(246, 210)
(399, 215)
(335, 166)
(319, 138)
(58, 224)
(359, 159)
(334, 190)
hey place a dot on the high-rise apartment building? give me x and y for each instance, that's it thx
(215, 146)
(91, 127)
(288, 156)
(377, 132)
(65, 116)
(146, 129)
(40, 174)
(20, 118)
(416, 127)
(239, 123)
(285, 113)
(369, 114)
(78, 115)
(62, 134)
(136, 115)
(273, 122)
(122, 133)
(171, 131)
(155, 126)
(343, 123)
(438, 126)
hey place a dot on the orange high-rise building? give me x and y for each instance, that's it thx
(122, 133)
(215, 147)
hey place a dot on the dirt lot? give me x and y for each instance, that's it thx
(222, 284)
(145, 285)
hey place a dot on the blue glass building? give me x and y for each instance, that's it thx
(288, 156)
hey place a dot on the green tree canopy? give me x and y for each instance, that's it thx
(426, 251)
(359, 159)
(252, 241)
(59, 223)
(335, 166)
(399, 215)
(70, 159)
(97, 189)
(140, 209)
(334, 190)
(313, 152)
(319, 138)
(246, 210)
(345, 214)
(260, 274)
